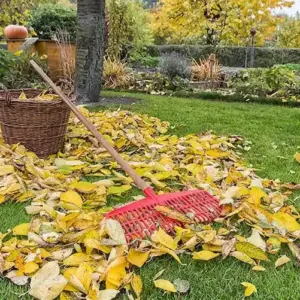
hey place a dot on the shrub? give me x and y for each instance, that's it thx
(174, 65)
(157, 83)
(143, 59)
(20, 74)
(47, 19)
(7, 60)
(277, 81)
(205, 70)
(115, 74)
(293, 67)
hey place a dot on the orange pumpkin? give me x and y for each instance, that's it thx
(15, 32)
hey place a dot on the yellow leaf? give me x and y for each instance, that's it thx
(26, 196)
(282, 261)
(2, 199)
(208, 236)
(115, 231)
(204, 255)
(250, 289)
(256, 194)
(216, 153)
(273, 244)
(297, 157)
(83, 187)
(22, 96)
(165, 285)
(95, 244)
(163, 238)
(6, 169)
(107, 294)
(47, 283)
(286, 221)
(118, 190)
(173, 214)
(68, 274)
(137, 258)
(71, 200)
(137, 285)
(82, 278)
(258, 268)
(30, 267)
(21, 229)
(116, 274)
(18, 53)
(257, 240)
(47, 97)
(212, 248)
(163, 250)
(243, 257)
(251, 250)
(11, 189)
(76, 259)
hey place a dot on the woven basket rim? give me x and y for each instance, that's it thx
(29, 100)
(32, 100)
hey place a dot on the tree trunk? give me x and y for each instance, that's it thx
(90, 49)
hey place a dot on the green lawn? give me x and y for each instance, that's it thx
(274, 132)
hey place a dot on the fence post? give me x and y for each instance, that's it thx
(253, 33)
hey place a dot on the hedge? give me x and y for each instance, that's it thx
(232, 56)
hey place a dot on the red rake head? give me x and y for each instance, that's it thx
(140, 219)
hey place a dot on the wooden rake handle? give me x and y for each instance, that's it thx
(140, 183)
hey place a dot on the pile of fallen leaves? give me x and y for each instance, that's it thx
(69, 249)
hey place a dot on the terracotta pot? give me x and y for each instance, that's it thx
(12, 32)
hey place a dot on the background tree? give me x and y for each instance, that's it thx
(129, 27)
(288, 33)
(218, 21)
(90, 49)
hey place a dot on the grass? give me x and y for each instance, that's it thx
(273, 131)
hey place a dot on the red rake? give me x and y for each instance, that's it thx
(139, 219)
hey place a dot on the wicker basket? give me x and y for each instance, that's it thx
(38, 125)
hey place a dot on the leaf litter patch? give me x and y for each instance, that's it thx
(88, 257)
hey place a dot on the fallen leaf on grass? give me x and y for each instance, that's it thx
(258, 268)
(161, 237)
(257, 240)
(21, 229)
(137, 285)
(286, 221)
(297, 157)
(71, 200)
(250, 289)
(243, 257)
(165, 285)
(295, 250)
(182, 286)
(108, 294)
(16, 279)
(137, 257)
(251, 250)
(158, 274)
(205, 255)
(115, 231)
(47, 283)
(282, 261)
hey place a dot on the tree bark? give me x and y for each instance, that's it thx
(90, 49)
